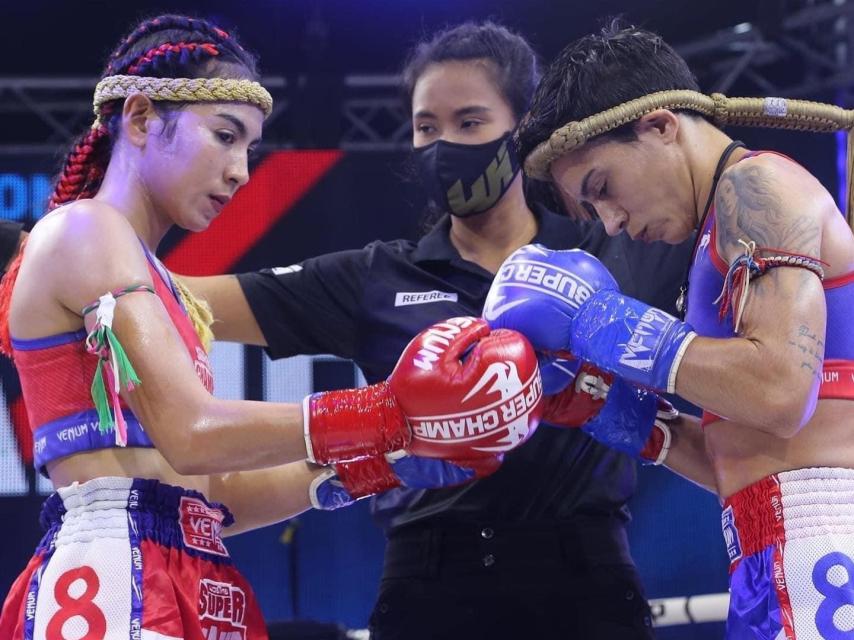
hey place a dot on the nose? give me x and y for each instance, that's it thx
(614, 220)
(237, 172)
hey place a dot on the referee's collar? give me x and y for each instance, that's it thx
(553, 230)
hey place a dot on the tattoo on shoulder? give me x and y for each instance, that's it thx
(748, 207)
(810, 348)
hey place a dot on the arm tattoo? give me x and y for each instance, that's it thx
(748, 207)
(810, 348)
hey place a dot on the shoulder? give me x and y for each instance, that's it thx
(772, 201)
(395, 249)
(772, 178)
(84, 249)
(75, 227)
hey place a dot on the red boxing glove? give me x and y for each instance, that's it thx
(352, 423)
(468, 392)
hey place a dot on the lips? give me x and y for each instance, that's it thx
(219, 202)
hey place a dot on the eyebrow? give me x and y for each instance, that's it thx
(238, 123)
(463, 111)
(585, 184)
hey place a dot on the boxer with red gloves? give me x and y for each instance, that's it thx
(466, 395)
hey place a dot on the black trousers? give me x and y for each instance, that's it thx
(488, 580)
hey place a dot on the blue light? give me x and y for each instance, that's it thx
(24, 197)
(842, 169)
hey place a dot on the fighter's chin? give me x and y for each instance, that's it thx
(195, 223)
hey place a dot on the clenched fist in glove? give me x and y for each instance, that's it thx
(460, 392)
(616, 413)
(567, 301)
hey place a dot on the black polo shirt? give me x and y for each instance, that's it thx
(367, 304)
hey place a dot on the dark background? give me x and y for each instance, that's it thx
(340, 36)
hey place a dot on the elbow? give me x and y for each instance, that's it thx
(187, 464)
(784, 411)
(190, 457)
(188, 451)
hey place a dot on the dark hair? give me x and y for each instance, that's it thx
(513, 61)
(168, 46)
(598, 72)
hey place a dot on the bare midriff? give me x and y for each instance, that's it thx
(742, 455)
(130, 462)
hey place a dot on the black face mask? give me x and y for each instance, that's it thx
(467, 179)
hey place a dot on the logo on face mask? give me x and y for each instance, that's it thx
(467, 179)
(486, 189)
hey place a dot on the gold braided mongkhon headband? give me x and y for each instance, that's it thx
(779, 113)
(181, 90)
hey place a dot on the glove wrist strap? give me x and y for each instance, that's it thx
(352, 423)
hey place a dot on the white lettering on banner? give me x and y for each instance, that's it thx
(404, 299)
(437, 339)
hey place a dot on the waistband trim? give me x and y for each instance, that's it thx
(790, 505)
(114, 507)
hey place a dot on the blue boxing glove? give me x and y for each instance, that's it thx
(633, 420)
(616, 413)
(538, 292)
(631, 339)
(344, 483)
(567, 301)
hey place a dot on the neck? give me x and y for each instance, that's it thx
(704, 151)
(488, 238)
(124, 190)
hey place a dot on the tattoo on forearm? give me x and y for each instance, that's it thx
(748, 207)
(810, 348)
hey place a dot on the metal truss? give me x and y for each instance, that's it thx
(43, 115)
(798, 48)
(801, 51)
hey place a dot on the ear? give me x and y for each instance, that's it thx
(138, 114)
(661, 122)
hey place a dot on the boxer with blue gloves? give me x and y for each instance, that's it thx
(566, 302)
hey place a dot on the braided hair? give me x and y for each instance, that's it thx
(168, 46)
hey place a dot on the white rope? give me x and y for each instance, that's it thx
(671, 612)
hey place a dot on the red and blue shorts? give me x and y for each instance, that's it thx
(790, 539)
(133, 559)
